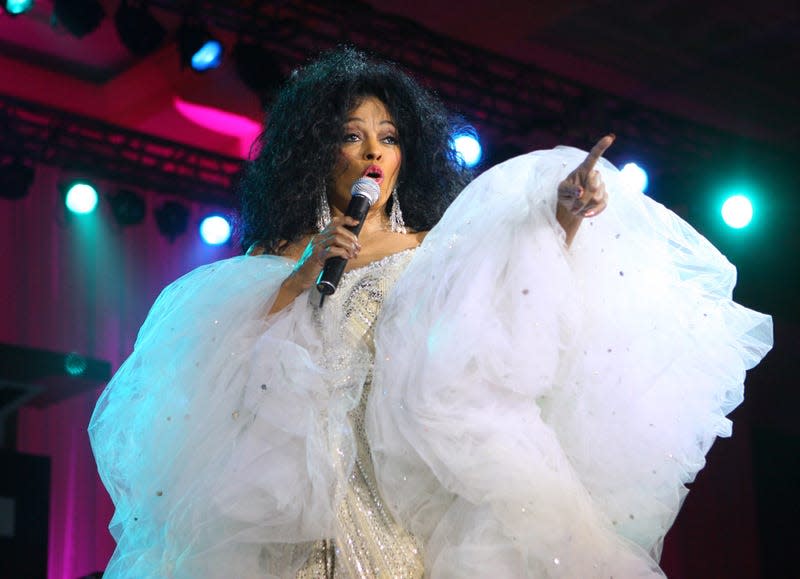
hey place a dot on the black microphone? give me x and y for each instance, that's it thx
(365, 192)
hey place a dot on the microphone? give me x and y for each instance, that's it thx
(365, 192)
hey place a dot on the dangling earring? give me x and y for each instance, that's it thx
(396, 223)
(323, 209)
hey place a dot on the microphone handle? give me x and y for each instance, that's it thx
(330, 275)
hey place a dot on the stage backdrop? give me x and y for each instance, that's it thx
(82, 284)
(86, 284)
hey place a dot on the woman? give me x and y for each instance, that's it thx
(516, 396)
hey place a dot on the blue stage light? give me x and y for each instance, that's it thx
(469, 148)
(197, 47)
(635, 177)
(208, 56)
(215, 230)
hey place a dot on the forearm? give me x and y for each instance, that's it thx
(287, 293)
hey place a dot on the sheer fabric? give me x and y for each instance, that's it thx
(535, 411)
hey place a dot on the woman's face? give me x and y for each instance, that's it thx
(370, 147)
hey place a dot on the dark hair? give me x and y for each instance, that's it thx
(280, 188)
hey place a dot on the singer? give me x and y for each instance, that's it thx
(515, 376)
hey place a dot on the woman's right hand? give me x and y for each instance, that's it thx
(333, 241)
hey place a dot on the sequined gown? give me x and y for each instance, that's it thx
(492, 404)
(368, 541)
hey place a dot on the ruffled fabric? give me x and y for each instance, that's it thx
(535, 410)
(208, 437)
(538, 410)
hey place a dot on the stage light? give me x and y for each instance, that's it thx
(198, 48)
(468, 148)
(75, 364)
(257, 68)
(172, 218)
(128, 207)
(15, 179)
(215, 230)
(17, 7)
(138, 29)
(737, 211)
(635, 177)
(81, 197)
(79, 17)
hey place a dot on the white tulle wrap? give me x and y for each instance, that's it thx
(535, 410)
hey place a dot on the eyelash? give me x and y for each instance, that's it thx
(353, 137)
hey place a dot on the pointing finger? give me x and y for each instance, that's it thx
(597, 152)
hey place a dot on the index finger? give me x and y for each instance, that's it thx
(597, 152)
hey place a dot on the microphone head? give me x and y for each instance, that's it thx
(368, 188)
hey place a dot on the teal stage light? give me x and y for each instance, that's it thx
(215, 230)
(81, 198)
(17, 7)
(737, 211)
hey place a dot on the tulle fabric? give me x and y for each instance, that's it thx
(212, 439)
(535, 411)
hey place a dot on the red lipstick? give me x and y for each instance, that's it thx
(374, 172)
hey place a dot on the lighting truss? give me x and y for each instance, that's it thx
(40, 134)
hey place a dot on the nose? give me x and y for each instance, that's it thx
(372, 151)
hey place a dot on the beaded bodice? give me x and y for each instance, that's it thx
(368, 542)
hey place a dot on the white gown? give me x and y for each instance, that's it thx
(534, 410)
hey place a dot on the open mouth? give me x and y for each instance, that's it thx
(375, 173)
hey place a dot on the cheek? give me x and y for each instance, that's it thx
(342, 165)
(397, 161)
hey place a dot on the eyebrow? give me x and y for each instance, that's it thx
(384, 122)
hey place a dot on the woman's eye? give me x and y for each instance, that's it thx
(350, 137)
(391, 140)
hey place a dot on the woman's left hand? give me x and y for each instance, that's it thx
(583, 193)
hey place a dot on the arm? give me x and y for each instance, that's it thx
(334, 240)
(582, 194)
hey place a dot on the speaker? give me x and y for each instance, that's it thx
(24, 512)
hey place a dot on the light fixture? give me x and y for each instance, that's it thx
(172, 218)
(635, 177)
(737, 211)
(15, 178)
(198, 48)
(80, 197)
(79, 17)
(128, 207)
(215, 230)
(468, 147)
(257, 68)
(17, 7)
(138, 29)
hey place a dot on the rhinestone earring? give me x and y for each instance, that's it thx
(396, 223)
(323, 209)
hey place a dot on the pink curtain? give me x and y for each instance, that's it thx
(86, 284)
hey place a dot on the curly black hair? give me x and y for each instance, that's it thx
(280, 188)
